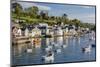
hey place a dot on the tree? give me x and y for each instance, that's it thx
(16, 5)
(17, 9)
(52, 17)
(32, 11)
(44, 15)
(64, 16)
(76, 22)
(94, 28)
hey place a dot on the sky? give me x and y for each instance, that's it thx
(82, 12)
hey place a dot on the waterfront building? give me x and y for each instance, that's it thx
(62, 24)
(26, 32)
(36, 32)
(65, 30)
(71, 30)
(58, 31)
(14, 31)
(48, 31)
(19, 31)
(51, 32)
(43, 24)
(44, 28)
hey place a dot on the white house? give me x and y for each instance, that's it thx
(43, 24)
(72, 30)
(36, 32)
(14, 31)
(44, 28)
(19, 32)
(51, 32)
(26, 32)
(62, 24)
(47, 31)
(65, 30)
(58, 31)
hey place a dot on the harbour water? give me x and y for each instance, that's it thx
(72, 52)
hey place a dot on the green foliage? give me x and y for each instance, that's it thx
(17, 9)
(31, 15)
(76, 22)
(32, 11)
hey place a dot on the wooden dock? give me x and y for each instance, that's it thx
(21, 39)
(24, 39)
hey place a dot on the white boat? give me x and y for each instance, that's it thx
(58, 50)
(87, 49)
(64, 46)
(29, 50)
(49, 48)
(49, 58)
(93, 38)
(52, 43)
(56, 45)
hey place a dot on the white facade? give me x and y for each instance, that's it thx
(19, 32)
(65, 31)
(47, 31)
(87, 29)
(26, 32)
(14, 31)
(51, 32)
(72, 31)
(58, 31)
(43, 24)
(36, 32)
(44, 28)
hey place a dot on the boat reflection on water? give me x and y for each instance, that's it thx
(36, 42)
(63, 49)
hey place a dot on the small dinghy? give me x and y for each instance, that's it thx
(93, 38)
(56, 45)
(64, 46)
(52, 43)
(87, 49)
(29, 50)
(48, 58)
(49, 48)
(58, 51)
